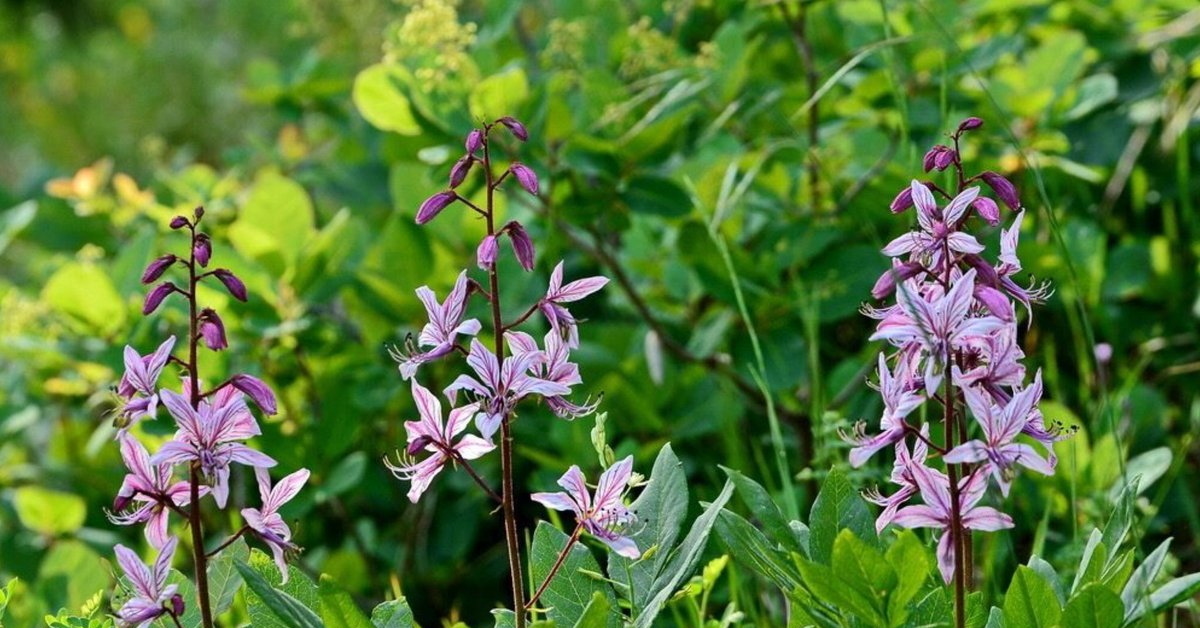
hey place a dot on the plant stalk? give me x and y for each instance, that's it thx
(194, 521)
(558, 563)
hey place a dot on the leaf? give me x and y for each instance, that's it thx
(6, 595)
(275, 222)
(910, 559)
(1048, 573)
(86, 296)
(1091, 564)
(684, 561)
(298, 586)
(838, 506)
(1094, 607)
(1030, 601)
(337, 609)
(1136, 594)
(656, 195)
(750, 547)
(285, 608)
(70, 573)
(1142, 470)
(499, 95)
(345, 476)
(862, 569)
(393, 614)
(661, 509)
(825, 586)
(379, 99)
(49, 512)
(759, 502)
(1174, 592)
(570, 591)
(597, 613)
(223, 577)
(1094, 92)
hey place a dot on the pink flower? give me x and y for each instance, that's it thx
(441, 332)
(151, 593)
(141, 378)
(556, 367)
(902, 474)
(432, 434)
(149, 485)
(605, 515)
(559, 317)
(500, 386)
(937, 227)
(266, 523)
(899, 399)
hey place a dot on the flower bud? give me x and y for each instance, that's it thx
(902, 201)
(969, 124)
(887, 282)
(202, 249)
(995, 302)
(522, 244)
(944, 159)
(459, 172)
(987, 210)
(232, 283)
(212, 330)
(179, 222)
(257, 390)
(198, 213)
(928, 161)
(417, 445)
(157, 268)
(121, 502)
(177, 607)
(474, 141)
(525, 176)
(1003, 188)
(156, 296)
(485, 255)
(434, 206)
(518, 130)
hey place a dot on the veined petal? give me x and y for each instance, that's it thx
(432, 308)
(954, 211)
(487, 423)
(905, 243)
(1029, 458)
(964, 243)
(918, 516)
(138, 573)
(247, 456)
(926, 205)
(579, 289)
(576, 486)
(286, 489)
(987, 519)
(185, 415)
(472, 447)
(162, 565)
(430, 410)
(556, 501)
(945, 557)
(971, 451)
(484, 363)
(623, 546)
(612, 482)
(174, 452)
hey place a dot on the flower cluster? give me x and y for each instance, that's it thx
(212, 425)
(515, 369)
(953, 332)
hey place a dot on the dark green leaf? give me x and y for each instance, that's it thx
(838, 506)
(1030, 601)
(571, 590)
(1094, 607)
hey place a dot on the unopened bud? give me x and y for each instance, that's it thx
(257, 390)
(434, 206)
(179, 222)
(970, 124)
(518, 130)
(198, 212)
(459, 172)
(887, 282)
(156, 268)
(177, 607)
(987, 210)
(525, 176)
(485, 254)
(417, 445)
(232, 283)
(212, 330)
(522, 244)
(202, 249)
(474, 141)
(902, 201)
(156, 296)
(1003, 188)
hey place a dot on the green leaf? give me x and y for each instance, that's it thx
(759, 502)
(298, 587)
(337, 609)
(1119, 522)
(1094, 607)
(825, 586)
(1136, 594)
(286, 609)
(6, 595)
(570, 591)
(597, 614)
(49, 512)
(1030, 601)
(1174, 592)
(381, 102)
(661, 509)
(684, 561)
(863, 569)
(70, 574)
(1091, 564)
(86, 296)
(1142, 471)
(499, 95)
(656, 195)
(223, 577)
(910, 559)
(275, 222)
(838, 506)
(345, 476)
(750, 547)
(393, 614)
(1050, 575)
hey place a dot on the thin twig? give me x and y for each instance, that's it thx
(558, 563)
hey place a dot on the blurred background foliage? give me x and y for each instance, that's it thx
(662, 132)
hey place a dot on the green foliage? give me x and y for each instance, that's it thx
(578, 581)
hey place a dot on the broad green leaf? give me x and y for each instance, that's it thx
(571, 590)
(275, 223)
(337, 609)
(764, 509)
(824, 584)
(1030, 601)
(683, 562)
(910, 559)
(1050, 575)
(597, 614)
(86, 296)
(863, 569)
(70, 574)
(49, 512)
(346, 475)
(661, 509)
(223, 577)
(1136, 593)
(499, 95)
(751, 548)
(379, 99)
(1143, 470)
(656, 195)
(1173, 592)
(838, 506)
(286, 609)
(933, 609)
(299, 587)
(393, 614)
(1091, 564)
(1094, 607)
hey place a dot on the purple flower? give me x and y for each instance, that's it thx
(521, 243)
(902, 474)
(257, 389)
(209, 437)
(485, 255)
(902, 201)
(500, 386)
(150, 486)
(1001, 424)
(516, 128)
(212, 330)
(179, 222)
(936, 227)
(267, 523)
(202, 249)
(156, 296)
(1003, 188)
(559, 317)
(458, 173)
(939, 157)
(935, 513)
(899, 273)
(436, 436)
(1010, 264)
(151, 593)
(474, 141)
(993, 362)
(434, 206)
(987, 209)
(231, 282)
(445, 324)
(156, 268)
(556, 367)
(969, 124)
(141, 378)
(525, 176)
(899, 399)
(605, 515)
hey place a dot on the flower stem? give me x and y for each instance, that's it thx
(506, 470)
(229, 541)
(195, 523)
(558, 563)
